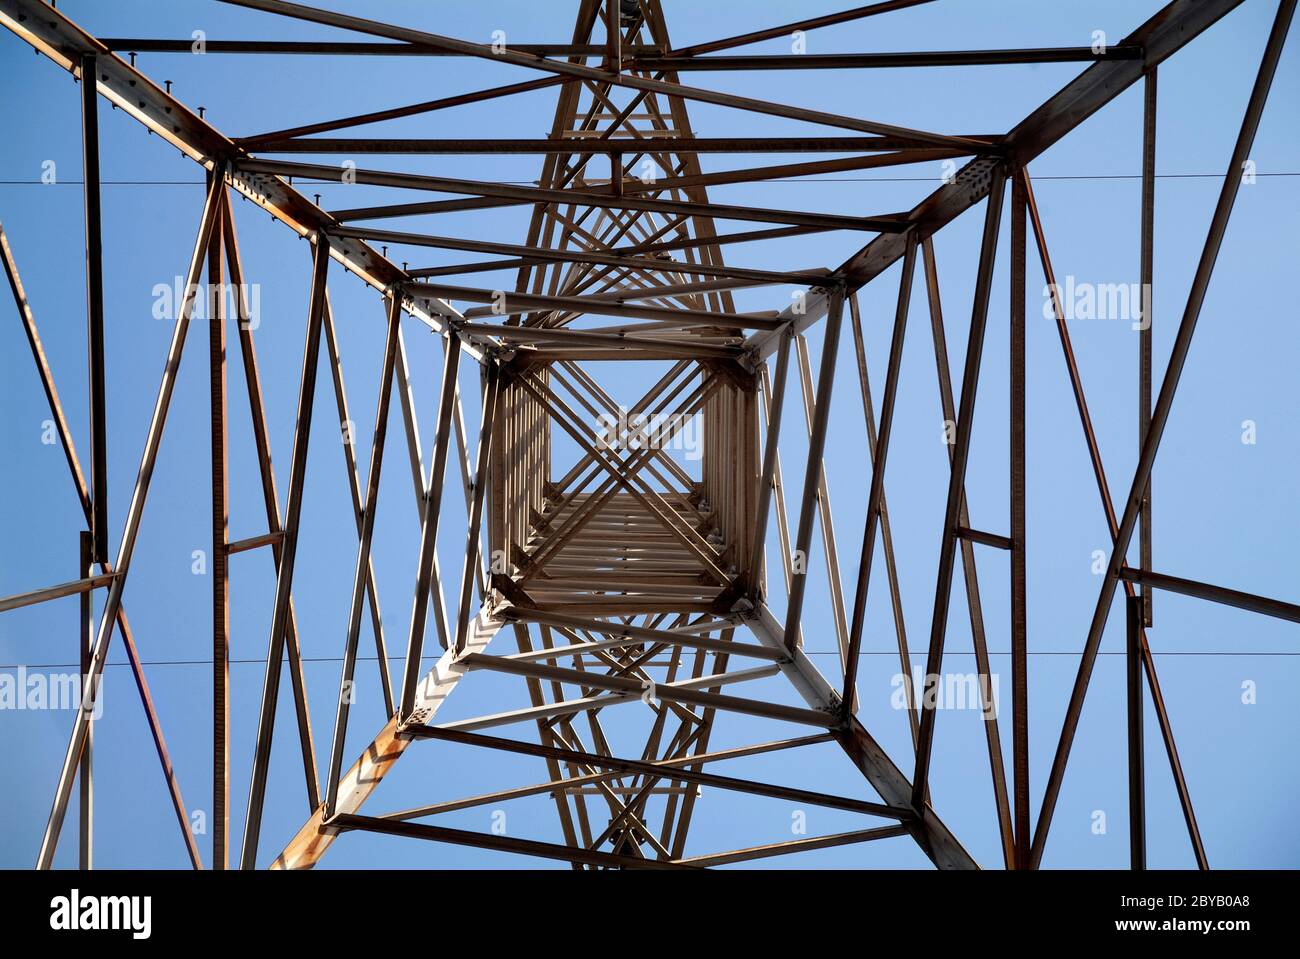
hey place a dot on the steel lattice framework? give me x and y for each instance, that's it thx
(623, 579)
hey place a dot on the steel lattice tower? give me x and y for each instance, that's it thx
(619, 579)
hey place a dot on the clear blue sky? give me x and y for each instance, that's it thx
(1225, 512)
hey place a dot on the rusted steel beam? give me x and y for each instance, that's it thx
(89, 692)
(74, 588)
(94, 309)
(1145, 335)
(871, 61)
(288, 554)
(785, 29)
(816, 448)
(429, 529)
(794, 845)
(767, 479)
(956, 482)
(358, 505)
(1278, 609)
(361, 576)
(1137, 803)
(886, 533)
(1018, 857)
(879, 457)
(297, 141)
(970, 573)
(220, 520)
(270, 498)
(349, 48)
(491, 402)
